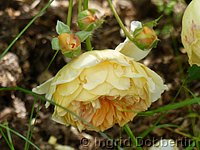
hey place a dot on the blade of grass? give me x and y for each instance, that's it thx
(18, 134)
(133, 138)
(143, 134)
(54, 56)
(183, 134)
(9, 136)
(189, 91)
(146, 132)
(169, 107)
(191, 147)
(25, 28)
(6, 139)
(29, 133)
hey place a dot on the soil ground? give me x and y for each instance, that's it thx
(27, 60)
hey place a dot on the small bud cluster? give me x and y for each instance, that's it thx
(70, 43)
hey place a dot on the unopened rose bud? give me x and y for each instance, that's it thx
(87, 20)
(145, 38)
(69, 42)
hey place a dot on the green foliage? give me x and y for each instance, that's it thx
(55, 44)
(83, 35)
(194, 73)
(153, 23)
(73, 53)
(165, 7)
(62, 28)
(169, 107)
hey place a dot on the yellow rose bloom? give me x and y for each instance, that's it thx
(191, 32)
(102, 87)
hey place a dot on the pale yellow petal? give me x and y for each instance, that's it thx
(102, 89)
(66, 74)
(43, 88)
(85, 95)
(95, 76)
(85, 60)
(68, 88)
(129, 49)
(122, 83)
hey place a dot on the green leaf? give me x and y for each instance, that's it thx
(73, 53)
(194, 73)
(55, 44)
(83, 35)
(62, 28)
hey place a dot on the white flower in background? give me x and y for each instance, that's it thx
(164, 144)
(191, 32)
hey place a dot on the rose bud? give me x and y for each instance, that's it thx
(87, 20)
(69, 42)
(144, 39)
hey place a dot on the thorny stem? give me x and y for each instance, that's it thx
(25, 28)
(88, 41)
(119, 21)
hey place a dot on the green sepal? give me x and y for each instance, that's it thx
(194, 73)
(73, 53)
(144, 47)
(62, 28)
(83, 35)
(94, 26)
(137, 31)
(55, 43)
(153, 23)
